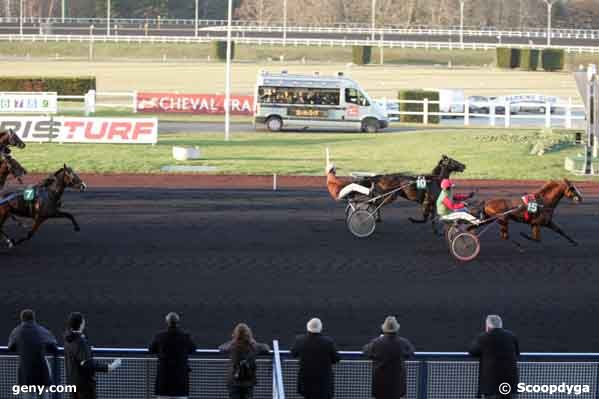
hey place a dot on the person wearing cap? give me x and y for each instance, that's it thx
(80, 365)
(316, 353)
(448, 202)
(497, 350)
(173, 347)
(389, 353)
(340, 188)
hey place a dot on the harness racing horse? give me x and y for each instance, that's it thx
(426, 197)
(544, 201)
(46, 204)
(10, 166)
(10, 138)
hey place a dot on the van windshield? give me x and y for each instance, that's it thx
(298, 96)
(354, 96)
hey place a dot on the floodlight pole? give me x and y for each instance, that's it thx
(197, 14)
(373, 25)
(21, 17)
(228, 76)
(63, 13)
(462, 21)
(549, 19)
(108, 7)
(284, 22)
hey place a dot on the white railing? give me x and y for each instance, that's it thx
(526, 32)
(550, 114)
(495, 114)
(289, 41)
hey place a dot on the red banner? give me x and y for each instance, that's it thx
(210, 104)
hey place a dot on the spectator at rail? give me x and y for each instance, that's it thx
(242, 350)
(498, 351)
(32, 342)
(389, 352)
(80, 365)
(173, 347)
(317, 354)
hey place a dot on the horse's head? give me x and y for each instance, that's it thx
(71, 179)
(14, 167)
(447, 166)
(572, 192)
(13, 139)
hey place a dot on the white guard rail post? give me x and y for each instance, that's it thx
(278, 389)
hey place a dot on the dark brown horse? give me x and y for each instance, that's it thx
(45, 205)
(9, 166)
(546, 201)
(10, 138)
(427, 196)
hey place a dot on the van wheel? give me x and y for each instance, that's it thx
(274, 124)
(370, 126)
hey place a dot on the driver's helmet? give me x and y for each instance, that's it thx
(331, 168)
(446, 184)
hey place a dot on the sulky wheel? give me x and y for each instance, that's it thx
(361, 223)
(465, 246)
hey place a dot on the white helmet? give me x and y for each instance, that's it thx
(331, 168)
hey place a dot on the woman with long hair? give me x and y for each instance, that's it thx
(243, 350)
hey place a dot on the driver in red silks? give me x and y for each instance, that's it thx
(448, 203)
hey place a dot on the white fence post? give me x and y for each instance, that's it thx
(507, 114)
(90, 102)
(467, 113)
(425, 112)
(548, 115)
(134, 101)
(569, 114)
(492, 111)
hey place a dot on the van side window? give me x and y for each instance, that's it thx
(353, 96)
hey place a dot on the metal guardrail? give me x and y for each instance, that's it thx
(431, 375)
(384, 43)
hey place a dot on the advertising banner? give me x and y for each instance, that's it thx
(83, 130)
(28, 103)
(202, 104)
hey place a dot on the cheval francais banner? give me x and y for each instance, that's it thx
(207, 104)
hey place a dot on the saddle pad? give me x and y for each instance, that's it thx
(29, 194)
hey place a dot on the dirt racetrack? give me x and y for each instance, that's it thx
(274, 259)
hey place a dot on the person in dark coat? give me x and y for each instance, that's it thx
(389, 353)
(173, 348)
(80, 365)
(32, 342)
(498, 351)
(317, 354)
(241, 373)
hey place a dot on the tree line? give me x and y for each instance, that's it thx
(478, 13)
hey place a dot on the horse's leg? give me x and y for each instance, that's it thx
(67, 215)
(425, 214)
(36, 225)
(5, 236)
(17, 221)
(559, 231)
(536, 234)
(504, 233)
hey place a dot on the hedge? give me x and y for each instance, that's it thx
(362, 55)
(69, 86)
(553, 60)
(508, 57)
(219, 50)
(418, 95)
(529, 59)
